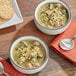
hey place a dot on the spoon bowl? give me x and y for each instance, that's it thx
(67, 44)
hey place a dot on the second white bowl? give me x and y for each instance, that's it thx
(24, 70)
(52, 31)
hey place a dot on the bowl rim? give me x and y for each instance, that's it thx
(51, 1)
(41, 41)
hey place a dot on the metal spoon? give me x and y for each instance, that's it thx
(67, 44)
(2, 70)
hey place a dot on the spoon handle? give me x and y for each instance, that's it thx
(73, 37)
(6, 74)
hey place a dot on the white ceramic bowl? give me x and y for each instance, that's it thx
(24, 70)
(52, 31)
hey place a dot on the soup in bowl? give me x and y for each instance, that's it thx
(29, 54)
(52, 16)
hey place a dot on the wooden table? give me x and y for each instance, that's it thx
(57, 65)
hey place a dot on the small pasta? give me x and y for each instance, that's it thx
(52, 15)
(29, 54)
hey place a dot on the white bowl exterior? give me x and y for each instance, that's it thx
(50, 31)
(27, 71)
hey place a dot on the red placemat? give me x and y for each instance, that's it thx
(69, 33)
(10, 69)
